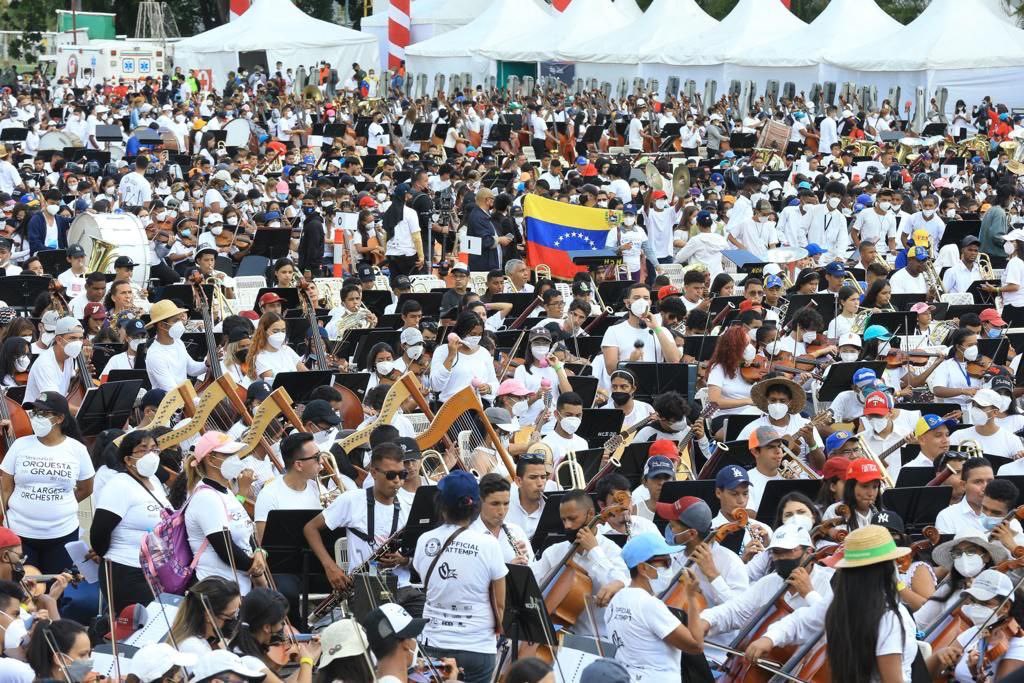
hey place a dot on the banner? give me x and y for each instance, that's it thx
(553, 229)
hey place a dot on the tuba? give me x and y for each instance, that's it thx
(101, 257)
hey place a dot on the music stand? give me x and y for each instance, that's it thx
(500, 132)
(273, 243)
(300, 385)
(903, 302)
(612, 294)
(917, 505)
(423, 516)
(289, 294)
(734, 424)
(519, 302)
(980, 295)
(549, 527)
(377, 300)
(430, 301)
(391, 337)
(130, 376)
(657, 378)
(631, 466)
(718, 303)
(107, 406)
(586, 387)
(354, 381)
(599, 425)
(195, 344)
(954, 311)
(105, 133)
(21, 291)
(420, 132)
(288, 552)
(839, 377)
(897, 322)
(774, 491)
(704, 489)
(526, 617)
(825, 304)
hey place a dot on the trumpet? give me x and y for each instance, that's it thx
(440, 467)
(848, 277)
(870, 455)
(578, 480)
(971, 448)
(792, 467)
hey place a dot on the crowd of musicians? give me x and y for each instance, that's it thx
(829, 493)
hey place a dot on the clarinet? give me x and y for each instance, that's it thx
(511, 539)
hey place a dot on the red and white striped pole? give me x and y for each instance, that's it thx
(236, 8)
(399, 20)
(560, 5)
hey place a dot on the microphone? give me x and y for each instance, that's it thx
(545, 384)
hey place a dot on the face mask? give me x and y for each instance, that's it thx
(72, 349)
(382, 197)
(833, 202)
(14, 634)
(989, 523)
(639, 307)
(570, 424)
(148, 464)
(978, 614)
(72, 187)
(176, 330)
(110, 190)
(282, 196)
(969, 564)
(749, 353)
(620, 398)
(540, 351)
(79, 669)
(471, 343)
(52, 209)
(217, 230)
(849, 356)
(41, 426)
(277, 339)
(785, 567)
(661, 204)
(978, 415)
(777, 411)
(678, 426)
(414, 352)
(971, 353)
(385, 367)
(186, 233)
(46, 338)
(884, 206)
(1008, 247)
(928, 213)
(233, 220)
(179, 195)
(308, 210)
(520, 409)
(21, 365)
(809, 337)
(664, 578)
(629, 221)
(28, 339)
(801, 520)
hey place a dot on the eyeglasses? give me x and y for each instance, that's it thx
(391, 476)
(310, 457)
(533, 458)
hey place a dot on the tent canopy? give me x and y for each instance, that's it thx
(449, 12)
(944, 36)
(751, 25)
(580, 21)
(807, 46)
(665, 21)
(503, 20)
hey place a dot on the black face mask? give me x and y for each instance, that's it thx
(785, 567)
(229, 628)
(620, 398)
(17, 572)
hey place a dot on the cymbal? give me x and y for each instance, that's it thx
(786, 254)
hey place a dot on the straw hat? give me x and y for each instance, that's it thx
(869, 545)
(4, 152)
(1015, 167)
(759, 394)
(162, 310)
(943, 553)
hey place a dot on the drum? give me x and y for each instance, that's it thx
(58, 140)
(106, 236)
(239, 133)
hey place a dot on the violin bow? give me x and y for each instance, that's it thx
(205, 602)
(766, 664)
(109, 580)
(991, 618)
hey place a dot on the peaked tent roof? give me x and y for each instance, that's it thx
(270, 24)
(629, 8)
(999, 9)
(665, 21)
(944, 36)
(580, 21)
(503, 20)
(808, 46)
(752, 24)
(451, 12)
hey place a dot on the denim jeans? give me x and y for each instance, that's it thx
(476, 666)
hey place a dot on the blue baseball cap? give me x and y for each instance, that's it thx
(877, 332)
(920, 253)
(803, 185)
(581, 161)
(927, 423)
(717, 178)
(658, 465)
(835, 269)
(814, 250)
(865, 199)
(643, 547)
(704, 218)
(730, 477)
(629, 209)
(864, 376)
(459, 486)
(835, 441)
(772, 281)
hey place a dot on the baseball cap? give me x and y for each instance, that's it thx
(920, 253)
(152, 398)
(51, 401)
(402, 282)
(920, 238)
(730, 477)
(762, 436)
(344, 638)
(512, 387)
(503, 419)
(152, 661)
(835, 467)
(659, 194)
(222, 661)
(864, 470)
(257, 391)
(704, 218)
(216, 441)
(1017, 235)
(864, 376)
(319, 410)
(789, 536)
(992, 317)
(391, 621)
(658, 465)
(49, 320)
(836, 441)
(927, 423)
(605, 670)
(690, 511)
(458, 486)
(365, 272)
(133, 327)
(124, 262)
(667, 291)
(877, 332)
(990, 584)
(988, 398)
(814, 249)
(94, 310)
(772, 281)
(921, 307)
(8, 538)
(890, 520)
(849, 339)
(968, 241)
(459, 267)
(129, 620)
(664, 447)
(67, 326)
(76, 251)
(643, 547)
(410, 449)
(877, 403)
(411, 336)
(270, 298)
(835, 269)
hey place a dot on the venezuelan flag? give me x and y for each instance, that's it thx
(553, 229)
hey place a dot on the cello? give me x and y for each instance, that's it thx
(675, 595)
(17, 422)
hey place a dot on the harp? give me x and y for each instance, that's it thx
(277, 403)
(196, 415)
(171, 403)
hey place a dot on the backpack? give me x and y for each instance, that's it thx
(165, 555)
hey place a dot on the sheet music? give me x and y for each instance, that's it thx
(571, 663)
(156, 627)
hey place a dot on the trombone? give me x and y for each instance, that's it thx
(931, 277)
(433, 466)
(577, 478)
(870, 455)
(792, 467)
(330, 471)
(848, 277)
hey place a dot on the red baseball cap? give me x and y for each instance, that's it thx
(667, 291)
(270, 298)
(95, 310)
(663, 447)
(367, 202)
(659, 194)
(835, 467)
(877, 403)
(8, 539)
(863, 470)
(992, 317)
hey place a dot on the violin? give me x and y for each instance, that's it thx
(761, 366)
(898, 359)
(39, 580)
(820, 342)
(827, 529)
(805, 363)
(977, 369)
(930, 540)
(993, 646)
(675, 595)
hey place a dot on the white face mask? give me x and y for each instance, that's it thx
(978, 614)
(179, 195)
(969, 564)
(884, 206)
(809, 337)
(951, 213)
(1009, 248)
(661, 204)
(877, 424)
(978, 415)
(414, 352)
(385, 367)
(928, 213)
(22, 363)
(217, 229)
(802, 520)
(971, 353)
(664, 579)
(777, 411)
(833, 202)
(629, 221)
(52, 209)
(233, 220)
(749, 353)
(176, 330)
(14, 634)
(570, 424)
(72, 349)
(520, 409)
(41, 426)
(848, 356)
(471, 343)
(277, 339)
(540, 351)
(136, 344)
(639, 307)
(28, 339)
(148, 464)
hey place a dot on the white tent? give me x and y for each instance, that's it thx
(284, 33)
(629, 9)
(752, 25)
(801, 54)
(580, 21)
(664, 21)
(453, 52)
(972, 53)
(428, 18)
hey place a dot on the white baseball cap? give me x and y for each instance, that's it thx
(223, 661)
(152, 661)
(990, 584)
(850, 339)
(789, 536)
(343, 638)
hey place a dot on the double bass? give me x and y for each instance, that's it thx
(82, 380)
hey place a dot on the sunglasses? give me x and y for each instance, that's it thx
(533, 458)
(391, 476)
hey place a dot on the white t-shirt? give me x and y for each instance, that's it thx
(283, 359)
(134, 189)
(47, 375)
(903, 282)
(349, 510)
(636, 137)
(1013, 274)
(211, 511)
(892, 640)
(448, 382)
(962, 673)
(277, 495)
(43, 503)
(139, 512)
(1003, 443)
(73, 284)
(168, 365)
(623, 336)
(637, 623)
(459, 589)
(733, 387)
